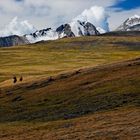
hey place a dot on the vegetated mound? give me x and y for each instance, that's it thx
(73, 94)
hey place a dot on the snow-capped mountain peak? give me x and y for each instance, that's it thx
(131, 24)
(64, 31)
(83, 28)
(133, 20)
(134, 17)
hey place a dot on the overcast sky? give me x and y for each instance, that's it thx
(52, 13)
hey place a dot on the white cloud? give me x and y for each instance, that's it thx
(16, 27)
(95, 15)
(52, 13)
(47, 13)
(10, 6)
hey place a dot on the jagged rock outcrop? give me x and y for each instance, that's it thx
(89, 29)
(45, 34)
(77, 28)
(80, 28)
(65, 31)
(40, 33)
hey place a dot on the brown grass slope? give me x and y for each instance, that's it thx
(73, 94)
(120, 124)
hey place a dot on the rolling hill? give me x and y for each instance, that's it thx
(48, 58)
(105, 96)
(76, 88)
(73, 94)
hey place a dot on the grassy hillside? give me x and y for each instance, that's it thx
(73, 94)
(56, 105)
(78, 88)
(53, 57)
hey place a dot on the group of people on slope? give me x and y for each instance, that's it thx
(15, 79)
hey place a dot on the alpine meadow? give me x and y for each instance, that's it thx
(79, 79)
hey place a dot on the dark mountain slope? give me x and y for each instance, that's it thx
(13, 41)
(122, 33)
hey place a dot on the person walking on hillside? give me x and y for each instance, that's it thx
(21, 79)
(14, 79)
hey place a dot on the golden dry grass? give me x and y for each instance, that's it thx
(53, 57)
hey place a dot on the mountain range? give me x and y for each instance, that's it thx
(76, 28)
(73, 29)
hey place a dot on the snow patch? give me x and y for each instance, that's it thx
(132, 21)
(133, 17)
(50, 35)
(76, 27)
(101, 31)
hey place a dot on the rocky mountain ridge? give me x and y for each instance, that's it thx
(76, 28)
(131, 24)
